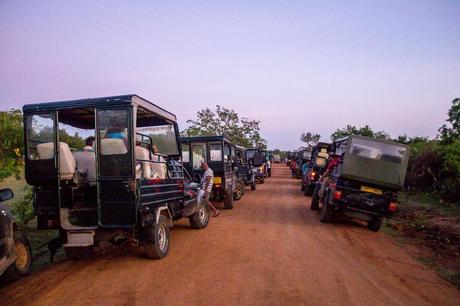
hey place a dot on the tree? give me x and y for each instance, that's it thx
(451, 131)
(224, 121)
(310, 139)
(363, 131)
(11, 148)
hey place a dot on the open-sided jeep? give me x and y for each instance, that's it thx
(219, 153)
(365, 183)
(316, 166)
(257, 158)
(128, 186)
(15, 250)
(244, 168)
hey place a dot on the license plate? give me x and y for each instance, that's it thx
(371, 190)
(80, 239)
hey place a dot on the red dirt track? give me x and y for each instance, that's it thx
(270, 249)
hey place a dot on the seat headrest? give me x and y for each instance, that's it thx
(67, 164)
(113, 146)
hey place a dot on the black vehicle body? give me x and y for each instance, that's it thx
(316, 167)
(268, 161)
(302, 157)
(136, 192)
(244, 168)
(257, 158)
(366, 182)
(15, 250)
(219, 153)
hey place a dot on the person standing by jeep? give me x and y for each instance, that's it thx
(206, 184)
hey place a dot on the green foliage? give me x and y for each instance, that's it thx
(363, 131)
(451, 131)
(309, 138)
(11, 147)
(75, 141)
(23, 209)
(224, 121)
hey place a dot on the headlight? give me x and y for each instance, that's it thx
(261, 168)
(217, 180)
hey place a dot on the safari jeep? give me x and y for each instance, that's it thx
(257, 158)
(366, 182)
(128, 185)
(316, 166)
(15, 250)
(219, 154)
(244, 168)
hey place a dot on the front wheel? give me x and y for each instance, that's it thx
(253, 186)
(200, 218)
(23, 263)
(157, 236)
(262, 180)
(375, 224)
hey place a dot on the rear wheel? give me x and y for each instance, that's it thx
(253, 186)
(238, 194)
(157, 237)
(302, 187)
(23, 263)
(308, 190)
(79, 253)
(314, 199)
(228, 200)
(375, 224)
(262, 180)
(327, 212)
(200, 218)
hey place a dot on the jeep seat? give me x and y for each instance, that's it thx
(67, 164)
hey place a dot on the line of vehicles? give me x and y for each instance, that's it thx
(138, 178)
(354, 177)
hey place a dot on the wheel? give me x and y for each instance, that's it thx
(262, 180)
(157, 239)
(253, 186)
(327, 213)
(375, 224)
(243, 188)
(23, 263)
(302, 187)
(228, 200)
(314, 199)
(200, 218)
(238, 194)
(79, 253)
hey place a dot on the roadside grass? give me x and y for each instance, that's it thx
(429, 230)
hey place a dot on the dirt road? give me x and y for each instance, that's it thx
(270, 250)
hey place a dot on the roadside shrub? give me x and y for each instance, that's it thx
(23, 209)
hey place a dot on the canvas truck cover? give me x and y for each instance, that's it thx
(375, 161)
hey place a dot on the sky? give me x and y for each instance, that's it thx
(296, 66)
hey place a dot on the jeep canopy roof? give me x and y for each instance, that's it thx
(374, 161)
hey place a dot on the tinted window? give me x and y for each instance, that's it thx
(215, 151)
(198, 154)
(185, 153)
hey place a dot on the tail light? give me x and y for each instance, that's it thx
(393, 206)
(312, 175)
(261, 168)
(337, 195)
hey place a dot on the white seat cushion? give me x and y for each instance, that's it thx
(113, 146)
(67, 164)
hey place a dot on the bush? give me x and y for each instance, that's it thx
(23, 210)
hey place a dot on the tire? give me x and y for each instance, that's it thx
(302, 186)
(238, 194)
(79, 253)
(23, 263)
(228, 200)
(314, 199)
(262, 180)
(200, 218)
(157, 236)
(243, 188)
(253, 186)
(308, 190)
(375, 224)
(327, 213)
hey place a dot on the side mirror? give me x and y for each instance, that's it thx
(6, 194)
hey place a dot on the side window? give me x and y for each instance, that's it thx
(215, 151)
(40, 136)
(198, 154)
(226, 153)
(185, 153)
(114, 142)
